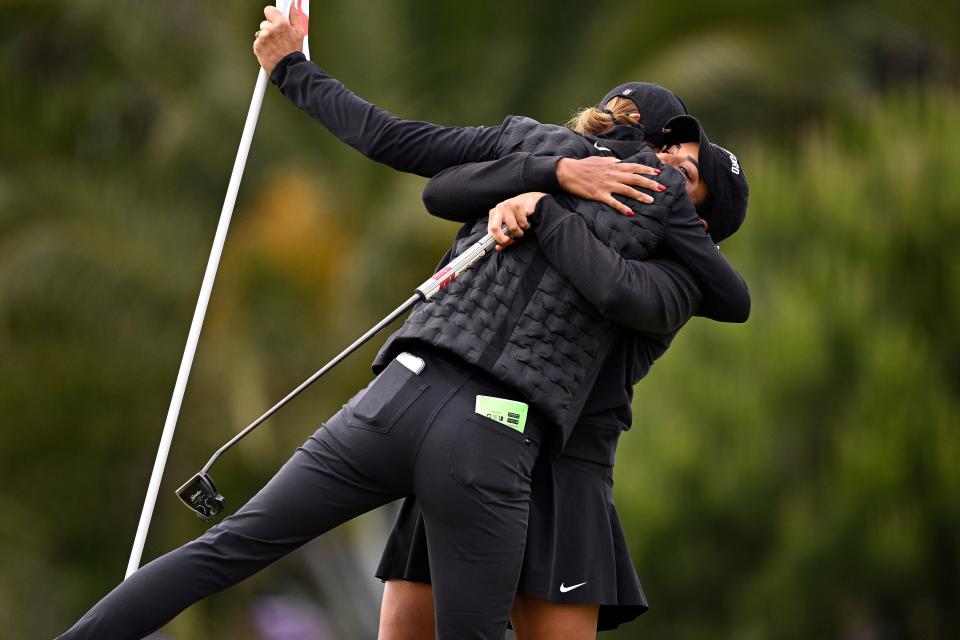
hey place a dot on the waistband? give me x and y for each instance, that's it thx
(444, 368)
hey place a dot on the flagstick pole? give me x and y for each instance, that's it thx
(195, 326)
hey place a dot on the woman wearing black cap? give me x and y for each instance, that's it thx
(577, 574)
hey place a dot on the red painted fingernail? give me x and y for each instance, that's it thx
(631, 213)
(658, 171)
(662, 187)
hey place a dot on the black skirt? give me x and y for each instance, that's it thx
(576, 551)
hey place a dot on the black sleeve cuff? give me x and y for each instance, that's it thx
(279, 73)
(540, 174)
(547, 216)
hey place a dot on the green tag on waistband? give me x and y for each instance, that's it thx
(510, 413)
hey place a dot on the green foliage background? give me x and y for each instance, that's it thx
(794, 477)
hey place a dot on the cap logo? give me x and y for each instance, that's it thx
(627, 92)
(734, 163)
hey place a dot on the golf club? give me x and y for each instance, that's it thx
(200, 494)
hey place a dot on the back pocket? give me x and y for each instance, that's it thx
(486, 459)
(380, 405)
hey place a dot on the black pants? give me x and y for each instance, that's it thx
(404, 434)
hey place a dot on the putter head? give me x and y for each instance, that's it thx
(199, 494)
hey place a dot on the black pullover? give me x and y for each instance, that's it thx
(664, 297)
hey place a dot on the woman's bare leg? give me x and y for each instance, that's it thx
(406, 612)
(539, 619)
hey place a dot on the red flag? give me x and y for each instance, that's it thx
(304, 7)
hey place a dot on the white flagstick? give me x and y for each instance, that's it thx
(253, 113)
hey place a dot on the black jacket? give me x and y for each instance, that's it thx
(657, 297)
(427, 149)
(546, 342)
(522, 315)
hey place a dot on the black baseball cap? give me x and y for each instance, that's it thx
(726, 206)
(655, 104)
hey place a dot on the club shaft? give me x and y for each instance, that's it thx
(425, 291)
(316, 376)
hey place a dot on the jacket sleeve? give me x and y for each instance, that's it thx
(725, 294)
(653, 296)
(412, 146)
(469, 191)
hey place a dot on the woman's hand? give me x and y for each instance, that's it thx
(277, 36)
(599, 177)
(513, 213)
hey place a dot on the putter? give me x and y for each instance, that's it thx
(201, 495)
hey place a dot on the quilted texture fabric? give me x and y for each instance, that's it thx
(515, 316)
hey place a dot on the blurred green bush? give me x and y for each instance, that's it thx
(797, 477)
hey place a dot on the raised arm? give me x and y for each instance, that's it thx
(412, 146)
(425, 148)
(405, 145)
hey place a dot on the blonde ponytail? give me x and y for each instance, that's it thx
(593, 122)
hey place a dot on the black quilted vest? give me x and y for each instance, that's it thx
(515, 316)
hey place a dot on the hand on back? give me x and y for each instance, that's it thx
(601, 177)
(513, 213)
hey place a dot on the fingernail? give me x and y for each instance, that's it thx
(658, 171)
(631, 213)
(661, 187)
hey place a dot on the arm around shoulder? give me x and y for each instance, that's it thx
(655, 296)
(726, 297)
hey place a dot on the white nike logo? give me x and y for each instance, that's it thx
(597, 145)
(564, 589)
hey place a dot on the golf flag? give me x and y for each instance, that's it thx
(304, 7)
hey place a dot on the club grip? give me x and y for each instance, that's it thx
(458, 265)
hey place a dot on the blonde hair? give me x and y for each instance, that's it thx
(592, 121)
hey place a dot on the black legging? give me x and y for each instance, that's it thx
(404, 434)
